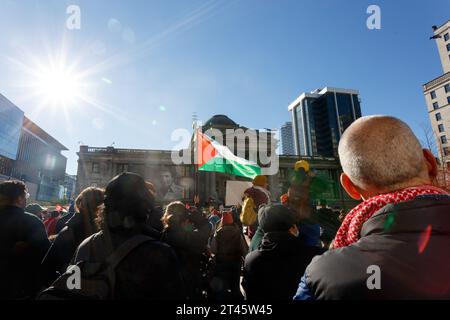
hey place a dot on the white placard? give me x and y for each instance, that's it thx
(235, 191)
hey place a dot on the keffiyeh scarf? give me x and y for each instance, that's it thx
(349, 232)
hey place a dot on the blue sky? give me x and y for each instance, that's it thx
(150, 64)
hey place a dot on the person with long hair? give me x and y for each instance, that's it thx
(78, 228)
(151, 269)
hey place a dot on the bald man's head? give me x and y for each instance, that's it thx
(381, 152)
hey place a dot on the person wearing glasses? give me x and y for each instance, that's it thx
(23, 244)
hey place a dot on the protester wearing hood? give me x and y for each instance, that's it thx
(151, 270)
(259, 195)
(394, 245)
(272, 271)
(23, 244)
(78, 228)
(188, 233)
(229, 248)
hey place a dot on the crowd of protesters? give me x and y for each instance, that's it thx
(128, 247)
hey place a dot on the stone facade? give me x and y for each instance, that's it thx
(437, 96)
(97, 166)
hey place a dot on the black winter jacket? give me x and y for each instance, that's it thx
(229, 245)
(407, 245)
(151, 271)
(190, 248)
(23, 244)
(64, 246)
(273, 271)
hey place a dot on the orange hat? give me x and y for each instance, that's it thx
(227, 218)
(260, 181)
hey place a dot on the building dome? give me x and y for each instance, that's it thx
(220, 120)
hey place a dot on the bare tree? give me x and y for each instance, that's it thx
(429, 141)
(433, 142)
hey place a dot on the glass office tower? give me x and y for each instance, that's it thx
(287, 139)
(11, 121)
(319, 118)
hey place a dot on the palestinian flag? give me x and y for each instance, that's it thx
(212, 156)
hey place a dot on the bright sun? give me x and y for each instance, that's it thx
(59, 85)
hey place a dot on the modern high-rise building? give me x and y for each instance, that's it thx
(30, 154)
(437, 95)
(319, 119)
(287, 139)
(11, 121)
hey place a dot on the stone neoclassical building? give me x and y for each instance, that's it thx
(96, 166)
(437, 95)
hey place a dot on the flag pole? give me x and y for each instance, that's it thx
(196, 169)
(195, 156)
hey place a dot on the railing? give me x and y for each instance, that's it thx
(138, 151)
(94, 150)
(84, 149)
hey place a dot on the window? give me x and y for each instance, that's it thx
(433, 94)
(438, 117)
(122, 167)
(95, 167)
(446, 37)
(443, 139)
(448, 99)
(441, 128)
(448, 47)
(446, 151)
(447, 88)
(435, 105)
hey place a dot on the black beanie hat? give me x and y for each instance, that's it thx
(275, 218)
(128, 195)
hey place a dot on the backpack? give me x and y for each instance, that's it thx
(248, 215)
(97, 278)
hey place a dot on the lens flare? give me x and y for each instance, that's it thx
(424, 239)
